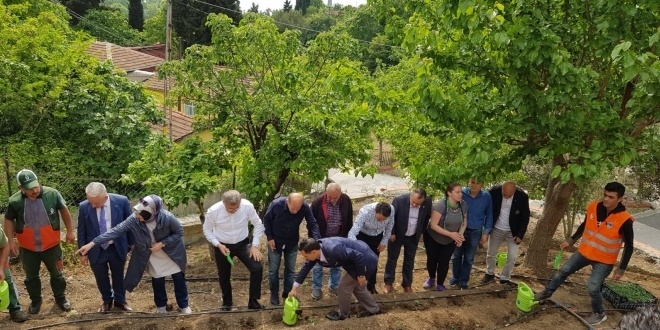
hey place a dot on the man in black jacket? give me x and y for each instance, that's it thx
(412, 212)
(333, 211)
(511, 216)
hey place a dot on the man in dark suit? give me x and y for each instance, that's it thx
(97, 215)
(357, 259)
(412, 212)
(511, 216)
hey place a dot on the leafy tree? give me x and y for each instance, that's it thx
(302, 5)
(290, 20)
(317, 23)
(254, 8)
(287, 6)
(136, 14)
(61, 110)
(80, 8)
(179, 172)
(110, 25)
(154, 28)
(189, 18)
(279, 109)
(572, 83)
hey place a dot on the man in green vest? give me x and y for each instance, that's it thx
(33, 214)
(16, 313)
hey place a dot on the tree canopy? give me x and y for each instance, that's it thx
(572, 83)
(189, 18)
(277, 108)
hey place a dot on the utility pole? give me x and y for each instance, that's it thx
(168, 50)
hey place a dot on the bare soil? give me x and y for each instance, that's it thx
(482, 307)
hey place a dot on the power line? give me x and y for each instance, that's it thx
(286, 24)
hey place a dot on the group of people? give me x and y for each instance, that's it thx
(452, 229)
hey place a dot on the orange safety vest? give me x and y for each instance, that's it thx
(602, 243)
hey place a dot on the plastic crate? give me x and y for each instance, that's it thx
(622, 302)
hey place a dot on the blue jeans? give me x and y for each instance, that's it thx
(599, 273)
(180, 290)
(317, 276)
(274, 260)
(464, 257)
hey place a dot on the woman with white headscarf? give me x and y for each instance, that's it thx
(159, 250)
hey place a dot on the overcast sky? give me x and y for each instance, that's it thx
(278, 4)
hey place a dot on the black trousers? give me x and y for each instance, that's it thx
(373, 242)
(242, 252)
(409, 244)
(437, 258)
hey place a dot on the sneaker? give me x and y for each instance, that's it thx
(508, 283)
(440, 287)
(464, 287)
(18, 316)
(366, 313)
(186, 310)
(335, 316)
(317, 294)
(430, 281)
(161, 310)
(333, 291)
(596, 318)
(453, 281)
(542, 296)
(487, 278)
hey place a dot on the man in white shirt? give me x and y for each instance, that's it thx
(511, 217)
(226, 227)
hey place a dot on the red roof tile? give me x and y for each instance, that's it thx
(124, 58)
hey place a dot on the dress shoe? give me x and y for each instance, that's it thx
(18, 316)
(387, 288)
(366, 313)
(64, 304)
(274, 299)
(35, 307)
(124, 306)
(254, 304)
(373, 291)
(334, 316)
(105, 307)
(225, 307)
(408, 289)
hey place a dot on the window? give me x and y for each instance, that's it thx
(189, 109)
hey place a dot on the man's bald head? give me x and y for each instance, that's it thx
(294, 202)
(508, 189)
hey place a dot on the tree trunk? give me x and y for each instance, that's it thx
(281, 178)
(556, 203)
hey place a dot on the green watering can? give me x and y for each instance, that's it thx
(501, 259)
(557, 262)
(4, 295)
(291, 311)
(525, 298)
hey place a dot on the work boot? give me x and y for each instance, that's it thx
(18, 316)
(487, 278)
(543, 295)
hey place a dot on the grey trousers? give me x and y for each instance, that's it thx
(348, 285)
(495, 239)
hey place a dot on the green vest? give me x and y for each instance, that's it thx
(53, 202)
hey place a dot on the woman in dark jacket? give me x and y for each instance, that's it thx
(159, 250)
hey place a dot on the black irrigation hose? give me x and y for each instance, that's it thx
(217, 311)
(529, 315)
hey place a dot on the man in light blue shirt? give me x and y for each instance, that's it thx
(479, 224)
(373, 225)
